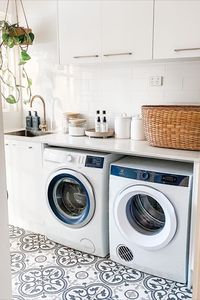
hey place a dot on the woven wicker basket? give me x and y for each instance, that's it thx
(172, 126)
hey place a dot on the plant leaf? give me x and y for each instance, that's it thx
(21, 39)
(10, 42)
(25, 56)
(29, 82)
(11, 99)
(5, 36)
(16, 40)
(31, 35)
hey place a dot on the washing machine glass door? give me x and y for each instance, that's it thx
(70, 198)
(145, 216)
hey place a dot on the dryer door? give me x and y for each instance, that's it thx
(145, 217)
(70, 198)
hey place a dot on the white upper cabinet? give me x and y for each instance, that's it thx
(127, 30)
(177, 29)
(91, 31)
(79, 31)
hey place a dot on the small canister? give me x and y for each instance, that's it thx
(65, 120)
(123, 126)
(137, 128)
(77, 127)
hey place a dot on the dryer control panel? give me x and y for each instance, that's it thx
(150, 176)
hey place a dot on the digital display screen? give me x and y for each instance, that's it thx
(94, 161)
(169, 178)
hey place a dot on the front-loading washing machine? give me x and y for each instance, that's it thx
(150, 215)
(76, 198)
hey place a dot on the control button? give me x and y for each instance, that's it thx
(145, 175)
(69, 158)
(83, 160)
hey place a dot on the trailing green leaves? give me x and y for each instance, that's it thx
(14, 35)
(11, 99)
(24, 57)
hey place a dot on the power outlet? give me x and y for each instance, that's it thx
(156, 80)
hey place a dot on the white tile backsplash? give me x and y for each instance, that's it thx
(115, 87)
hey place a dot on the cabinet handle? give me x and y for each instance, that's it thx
(6, 144)
(186, 49)
(118, 54)
(86, 56)
(30, 147)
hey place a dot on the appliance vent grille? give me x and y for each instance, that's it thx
(125, 253)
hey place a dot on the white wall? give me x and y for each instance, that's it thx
(116, 87)
(5, 275)
(12, 120)
(119, 87)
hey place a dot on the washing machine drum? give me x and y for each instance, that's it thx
(70, 198)
(145, 216)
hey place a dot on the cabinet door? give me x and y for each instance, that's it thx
(127, 28)
(9, 180)
(79, 31)
(177, 26)
(26, 184)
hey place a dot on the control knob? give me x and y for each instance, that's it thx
(69, 158)
(144, 175)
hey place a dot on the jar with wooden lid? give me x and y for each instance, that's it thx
(65, 120)
(77, 127)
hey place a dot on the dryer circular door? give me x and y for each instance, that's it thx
(70, 198)
(145, 217)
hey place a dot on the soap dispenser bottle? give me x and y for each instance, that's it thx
(35, 121)
(29, 121)
(97, 121)
(104, 123)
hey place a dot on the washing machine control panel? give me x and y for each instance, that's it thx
(145, 175)
(150, 176)
(94, 161)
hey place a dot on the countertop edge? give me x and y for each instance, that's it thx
(111, 145)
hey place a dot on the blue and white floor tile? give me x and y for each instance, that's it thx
(43, 269)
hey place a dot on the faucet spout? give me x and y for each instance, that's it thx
(42, 126)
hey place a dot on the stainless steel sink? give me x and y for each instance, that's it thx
(29, 133)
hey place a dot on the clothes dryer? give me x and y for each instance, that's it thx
(150, 215)
(76, 198)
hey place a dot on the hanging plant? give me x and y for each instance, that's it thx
(13, 35)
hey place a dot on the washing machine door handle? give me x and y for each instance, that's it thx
(145, 216)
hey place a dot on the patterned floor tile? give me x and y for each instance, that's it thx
(43, 269)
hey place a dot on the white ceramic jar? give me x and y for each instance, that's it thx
(65, 120)
(123, 126)
(137, 128)
(77, 127)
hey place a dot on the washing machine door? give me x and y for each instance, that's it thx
(70, 198)
(145, 217)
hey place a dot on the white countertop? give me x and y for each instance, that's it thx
(124, 146)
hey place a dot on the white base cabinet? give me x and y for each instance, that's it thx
(24, 184)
